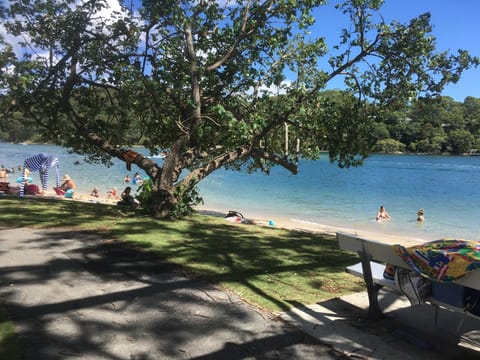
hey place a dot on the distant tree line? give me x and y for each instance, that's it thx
(428, 125)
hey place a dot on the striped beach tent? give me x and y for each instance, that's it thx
(42, 163)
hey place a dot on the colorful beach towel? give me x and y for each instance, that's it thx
(442, 260)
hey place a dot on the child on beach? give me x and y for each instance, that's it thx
(95, 192)
(112, 194)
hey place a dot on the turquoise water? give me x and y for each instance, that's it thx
(448, 188)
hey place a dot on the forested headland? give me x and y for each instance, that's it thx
(432, 126)
(428, 125)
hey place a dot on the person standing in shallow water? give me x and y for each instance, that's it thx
(382, 214)
(420, 215)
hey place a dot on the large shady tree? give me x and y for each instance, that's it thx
(216, 83)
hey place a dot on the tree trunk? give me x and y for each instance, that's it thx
(163, 203)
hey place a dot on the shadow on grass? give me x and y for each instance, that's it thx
(266, 266)
(38, 211)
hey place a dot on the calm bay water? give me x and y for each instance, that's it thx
(448, 188)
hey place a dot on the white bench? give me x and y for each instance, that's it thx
(377, 275)
(374, 255)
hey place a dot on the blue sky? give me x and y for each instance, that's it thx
(456, 25)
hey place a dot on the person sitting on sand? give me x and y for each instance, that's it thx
(95, 192)
(382, 214)
(127, 198)
(3, 174)
(112, 194)
(67, 184)
(420, 216)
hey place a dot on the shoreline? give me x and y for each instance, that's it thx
(283, 222)
(321, 197)
(279, 222)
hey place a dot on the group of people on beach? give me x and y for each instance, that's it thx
(125, 198)
(382, 215)
(66, 188)
(42, 163)
(5, 171)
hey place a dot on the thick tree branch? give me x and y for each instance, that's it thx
(226, 158)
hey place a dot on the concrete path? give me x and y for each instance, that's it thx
(78, 295)
(406, 333)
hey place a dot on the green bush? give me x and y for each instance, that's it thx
(186, 200)
(145, 195)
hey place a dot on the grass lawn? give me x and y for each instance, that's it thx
(270, 267)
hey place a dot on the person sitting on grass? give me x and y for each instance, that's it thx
(127, 198)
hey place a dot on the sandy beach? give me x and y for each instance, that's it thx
(268, 219)
(300, 225)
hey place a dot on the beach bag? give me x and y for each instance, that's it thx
(414, 286)
(232, 213)
(32, 189)
(234, 216)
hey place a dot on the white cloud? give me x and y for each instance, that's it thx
(276, 90)
(272, 90)
(113, 7)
